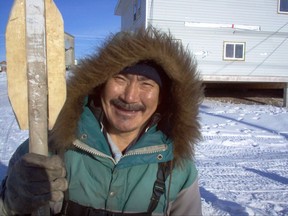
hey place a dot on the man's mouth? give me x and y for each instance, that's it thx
(122, 105)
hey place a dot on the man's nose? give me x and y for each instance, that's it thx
(131, 93)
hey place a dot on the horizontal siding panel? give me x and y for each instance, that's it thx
(266, 50)
(127, 20)
(241, 70)
(265, 55)
(256, 12)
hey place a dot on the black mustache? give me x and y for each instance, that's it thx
(126, 106)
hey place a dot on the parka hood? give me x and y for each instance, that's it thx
(125, 49)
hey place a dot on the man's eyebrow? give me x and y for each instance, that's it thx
(143, 78)
(139, 77)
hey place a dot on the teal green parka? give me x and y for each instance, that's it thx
(95, 179)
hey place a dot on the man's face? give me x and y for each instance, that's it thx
(128, 102)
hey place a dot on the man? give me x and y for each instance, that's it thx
(126, 135)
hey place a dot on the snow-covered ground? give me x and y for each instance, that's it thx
(242, 160)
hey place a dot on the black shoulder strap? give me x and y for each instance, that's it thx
(71, 208)
(159, 185)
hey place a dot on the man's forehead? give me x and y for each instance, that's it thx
(139, 77)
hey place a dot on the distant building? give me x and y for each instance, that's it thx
(3, 66)
(233, 41)
(69, 50)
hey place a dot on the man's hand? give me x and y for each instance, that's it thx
(33, 181)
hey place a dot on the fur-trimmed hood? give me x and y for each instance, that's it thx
(125, 49)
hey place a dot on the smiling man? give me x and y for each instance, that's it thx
(124, 141)
(129, 99)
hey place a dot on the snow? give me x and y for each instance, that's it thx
(242, 159)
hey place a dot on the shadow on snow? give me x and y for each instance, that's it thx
(270, 175)
(230, 207)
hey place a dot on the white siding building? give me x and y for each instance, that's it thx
(69, 50)
(234, 41)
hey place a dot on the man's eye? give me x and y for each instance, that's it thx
(119, 78)
(147, 84)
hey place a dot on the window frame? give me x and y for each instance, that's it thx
(136, 9)
(278, 7)
(234, 58)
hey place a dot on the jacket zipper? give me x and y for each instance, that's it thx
(145, 150)
(84, 147)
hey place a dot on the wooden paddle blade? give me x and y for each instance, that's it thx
(55, 61)
(17, 62)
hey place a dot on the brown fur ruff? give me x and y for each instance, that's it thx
(125, 49)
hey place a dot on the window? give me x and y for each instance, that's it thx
(136, 9)
(283, 6)
(234, 51)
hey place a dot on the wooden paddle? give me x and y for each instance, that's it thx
(35, 55)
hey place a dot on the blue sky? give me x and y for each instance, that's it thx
(90, 21)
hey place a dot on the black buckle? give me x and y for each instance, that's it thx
(159, 188)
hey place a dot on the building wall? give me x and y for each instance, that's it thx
(256, 12)
(266, 48)
(127, 17)
(3, 66)
(69, 50)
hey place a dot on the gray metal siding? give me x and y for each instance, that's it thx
(266, 50)
(127, 21)
(256, 12)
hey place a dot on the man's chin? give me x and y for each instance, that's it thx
(126, 128)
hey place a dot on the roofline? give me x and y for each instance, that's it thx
(116, 10)
(69, 34)
(239, 78)
(119, 7)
